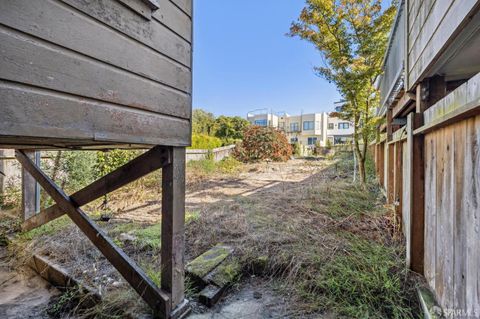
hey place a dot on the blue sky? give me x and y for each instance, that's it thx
(243, 60)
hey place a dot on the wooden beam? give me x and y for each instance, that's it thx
(173, 221)
(463, 112)
(407, 99)
(390, 174)
(153, 296)
(146, 163)
(29, 192)
(417, 192)
(398, 190)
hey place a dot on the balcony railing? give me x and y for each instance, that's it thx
(391, 80)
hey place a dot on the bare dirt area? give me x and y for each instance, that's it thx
(293, 226)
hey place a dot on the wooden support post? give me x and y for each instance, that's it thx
(29, 191)
(415, 147)
(135, 276)
(173, 220)
(398, 193)
(390, 173)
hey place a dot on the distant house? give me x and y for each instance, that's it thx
(307, 129)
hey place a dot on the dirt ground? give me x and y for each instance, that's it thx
(260, 210)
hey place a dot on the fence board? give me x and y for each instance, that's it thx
(452, 212)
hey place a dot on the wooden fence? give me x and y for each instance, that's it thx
(430, 170)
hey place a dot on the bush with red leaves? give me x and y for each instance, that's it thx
(263, 143)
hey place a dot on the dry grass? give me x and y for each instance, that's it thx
(321, 237)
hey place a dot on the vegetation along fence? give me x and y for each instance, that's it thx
(430, 169)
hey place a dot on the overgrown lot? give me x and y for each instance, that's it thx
(327, 246)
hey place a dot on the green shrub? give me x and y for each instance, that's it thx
(108, 161)
(205, 142)
(263, 143)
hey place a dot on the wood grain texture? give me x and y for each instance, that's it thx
(146, 163)
(28, 113)
(406, 188)
(151, 33)
(452, 212)
(30, 61)
(157, 299)
(175, 19)
(173, 223)
(438, 27)
(122, 51)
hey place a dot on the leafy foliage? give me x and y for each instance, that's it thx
(205, 142)
(263, 143)
(226, 128)
(352, 36)
(203, 122)
(108, 161)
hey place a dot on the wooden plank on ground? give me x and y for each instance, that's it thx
(158, 300)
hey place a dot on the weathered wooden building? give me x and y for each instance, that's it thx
(100, 74)
(428, 152)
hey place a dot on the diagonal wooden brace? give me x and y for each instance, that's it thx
(158, 300)
(146, 163)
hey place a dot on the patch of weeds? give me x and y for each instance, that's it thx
(348, 200)
(229, 165)
(149, 237)
(202, 167)
(191, 216)
(368, 280)
(64, 304)
(154, 274)
(47, 229)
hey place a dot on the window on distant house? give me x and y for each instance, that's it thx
(294, 140)
(294, 127)
(343, 126)
(330, 126)
(312, 141)
(261, 122)
(308, 125)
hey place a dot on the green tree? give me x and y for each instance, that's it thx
(352, 37)
(230, 128)
(203, 122)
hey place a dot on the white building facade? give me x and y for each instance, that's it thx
(315, 129)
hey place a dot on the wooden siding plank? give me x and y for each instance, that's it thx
(435, 35)
(38, 63)
(175, 19)
(417, 23)
(27, 109)
(150, 33)
(185, 5)
(121, 51)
